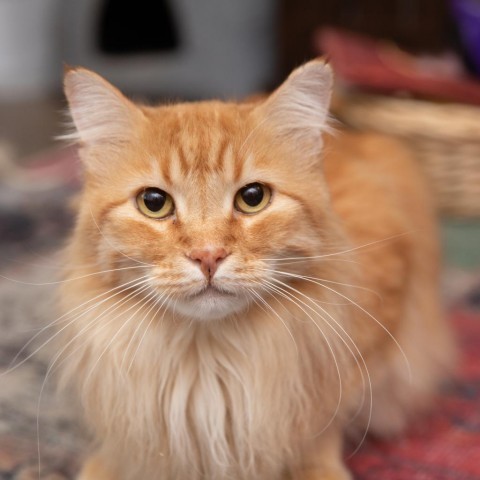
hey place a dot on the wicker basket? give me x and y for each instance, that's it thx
(446, 138)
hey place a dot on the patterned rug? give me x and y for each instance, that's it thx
(37, 426)
(445, 446)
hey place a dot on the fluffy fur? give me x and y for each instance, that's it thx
(324, 318)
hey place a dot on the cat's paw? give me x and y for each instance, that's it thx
(93, 469)
(339, 473)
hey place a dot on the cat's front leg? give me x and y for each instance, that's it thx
(322, 460)
(94, 469)
(340, 472)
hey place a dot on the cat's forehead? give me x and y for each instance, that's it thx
(206, 142)
(201, 121)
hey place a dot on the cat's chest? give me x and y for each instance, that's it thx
(212, 404)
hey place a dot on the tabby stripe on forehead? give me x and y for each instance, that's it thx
(176, 166)
(220, 157)
(228, 158)
(182, 159)
(165, 167)
(238, 165)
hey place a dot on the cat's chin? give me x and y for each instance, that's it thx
(210, 304)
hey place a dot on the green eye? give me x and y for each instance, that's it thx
(155, 203)
(252, 198)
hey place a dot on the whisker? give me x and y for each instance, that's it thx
(113, 247)
(384, 328)
(291, 261)
(306, 277)
(351, 352)
(47, 375)
(109, 310)
(68, 280)
(147, 328)
(298, 302)
(70, 322)
(353, 249)
(57, 320)
(52, 261)
(259, 297)
(156, 299)
(125, 323)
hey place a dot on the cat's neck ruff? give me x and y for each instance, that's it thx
(201, 396)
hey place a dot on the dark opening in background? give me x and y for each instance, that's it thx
(143, 26)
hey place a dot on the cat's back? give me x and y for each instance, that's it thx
(376, 185)
(386, 209)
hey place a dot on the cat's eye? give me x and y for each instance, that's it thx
(155, 203)
(252, 198)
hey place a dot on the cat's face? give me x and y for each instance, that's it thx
(199, 201)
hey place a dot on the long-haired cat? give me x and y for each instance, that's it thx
(253, 293)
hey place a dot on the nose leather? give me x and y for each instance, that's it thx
(208, 259)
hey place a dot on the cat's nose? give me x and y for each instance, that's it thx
(208, 259)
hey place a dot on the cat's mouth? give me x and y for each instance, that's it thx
(210, 302)
(212, 291)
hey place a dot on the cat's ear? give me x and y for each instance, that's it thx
(298, 110)
(100, 113)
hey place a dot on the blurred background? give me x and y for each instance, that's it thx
(407, 68)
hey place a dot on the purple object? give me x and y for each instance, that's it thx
(467, 17)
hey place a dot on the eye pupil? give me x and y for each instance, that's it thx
(155, 203)
(252, 194)
(154, 199)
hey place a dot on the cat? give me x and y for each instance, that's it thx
(257, 290)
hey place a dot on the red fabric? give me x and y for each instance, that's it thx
(375, 65)
(446, 445)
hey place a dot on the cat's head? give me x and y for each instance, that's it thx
(199, 203)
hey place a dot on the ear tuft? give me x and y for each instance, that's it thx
(298, 109)
(100, 113)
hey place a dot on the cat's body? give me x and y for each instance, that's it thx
(315, 316)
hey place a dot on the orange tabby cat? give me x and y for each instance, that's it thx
(252, 294)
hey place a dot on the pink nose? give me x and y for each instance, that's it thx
(208, 259)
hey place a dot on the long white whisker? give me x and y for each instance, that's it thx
(306, 277)
(291, 261)
(147, 328)
(68, 280)
(50, 368)
(156, 299)
(353, 249)
(109, 310)
(351, 352)
(262, 300)
(64, 327)
(57, 320)
(280, 291)
(385, 329)
(125, 323)
(50, 262)
(113, 247)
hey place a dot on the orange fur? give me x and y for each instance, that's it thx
(327, 321)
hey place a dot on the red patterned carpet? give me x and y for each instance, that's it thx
(445, 446)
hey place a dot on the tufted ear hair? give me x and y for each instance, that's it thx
(298, 110)
(100, 113)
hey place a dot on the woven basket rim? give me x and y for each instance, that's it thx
(412, 117)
